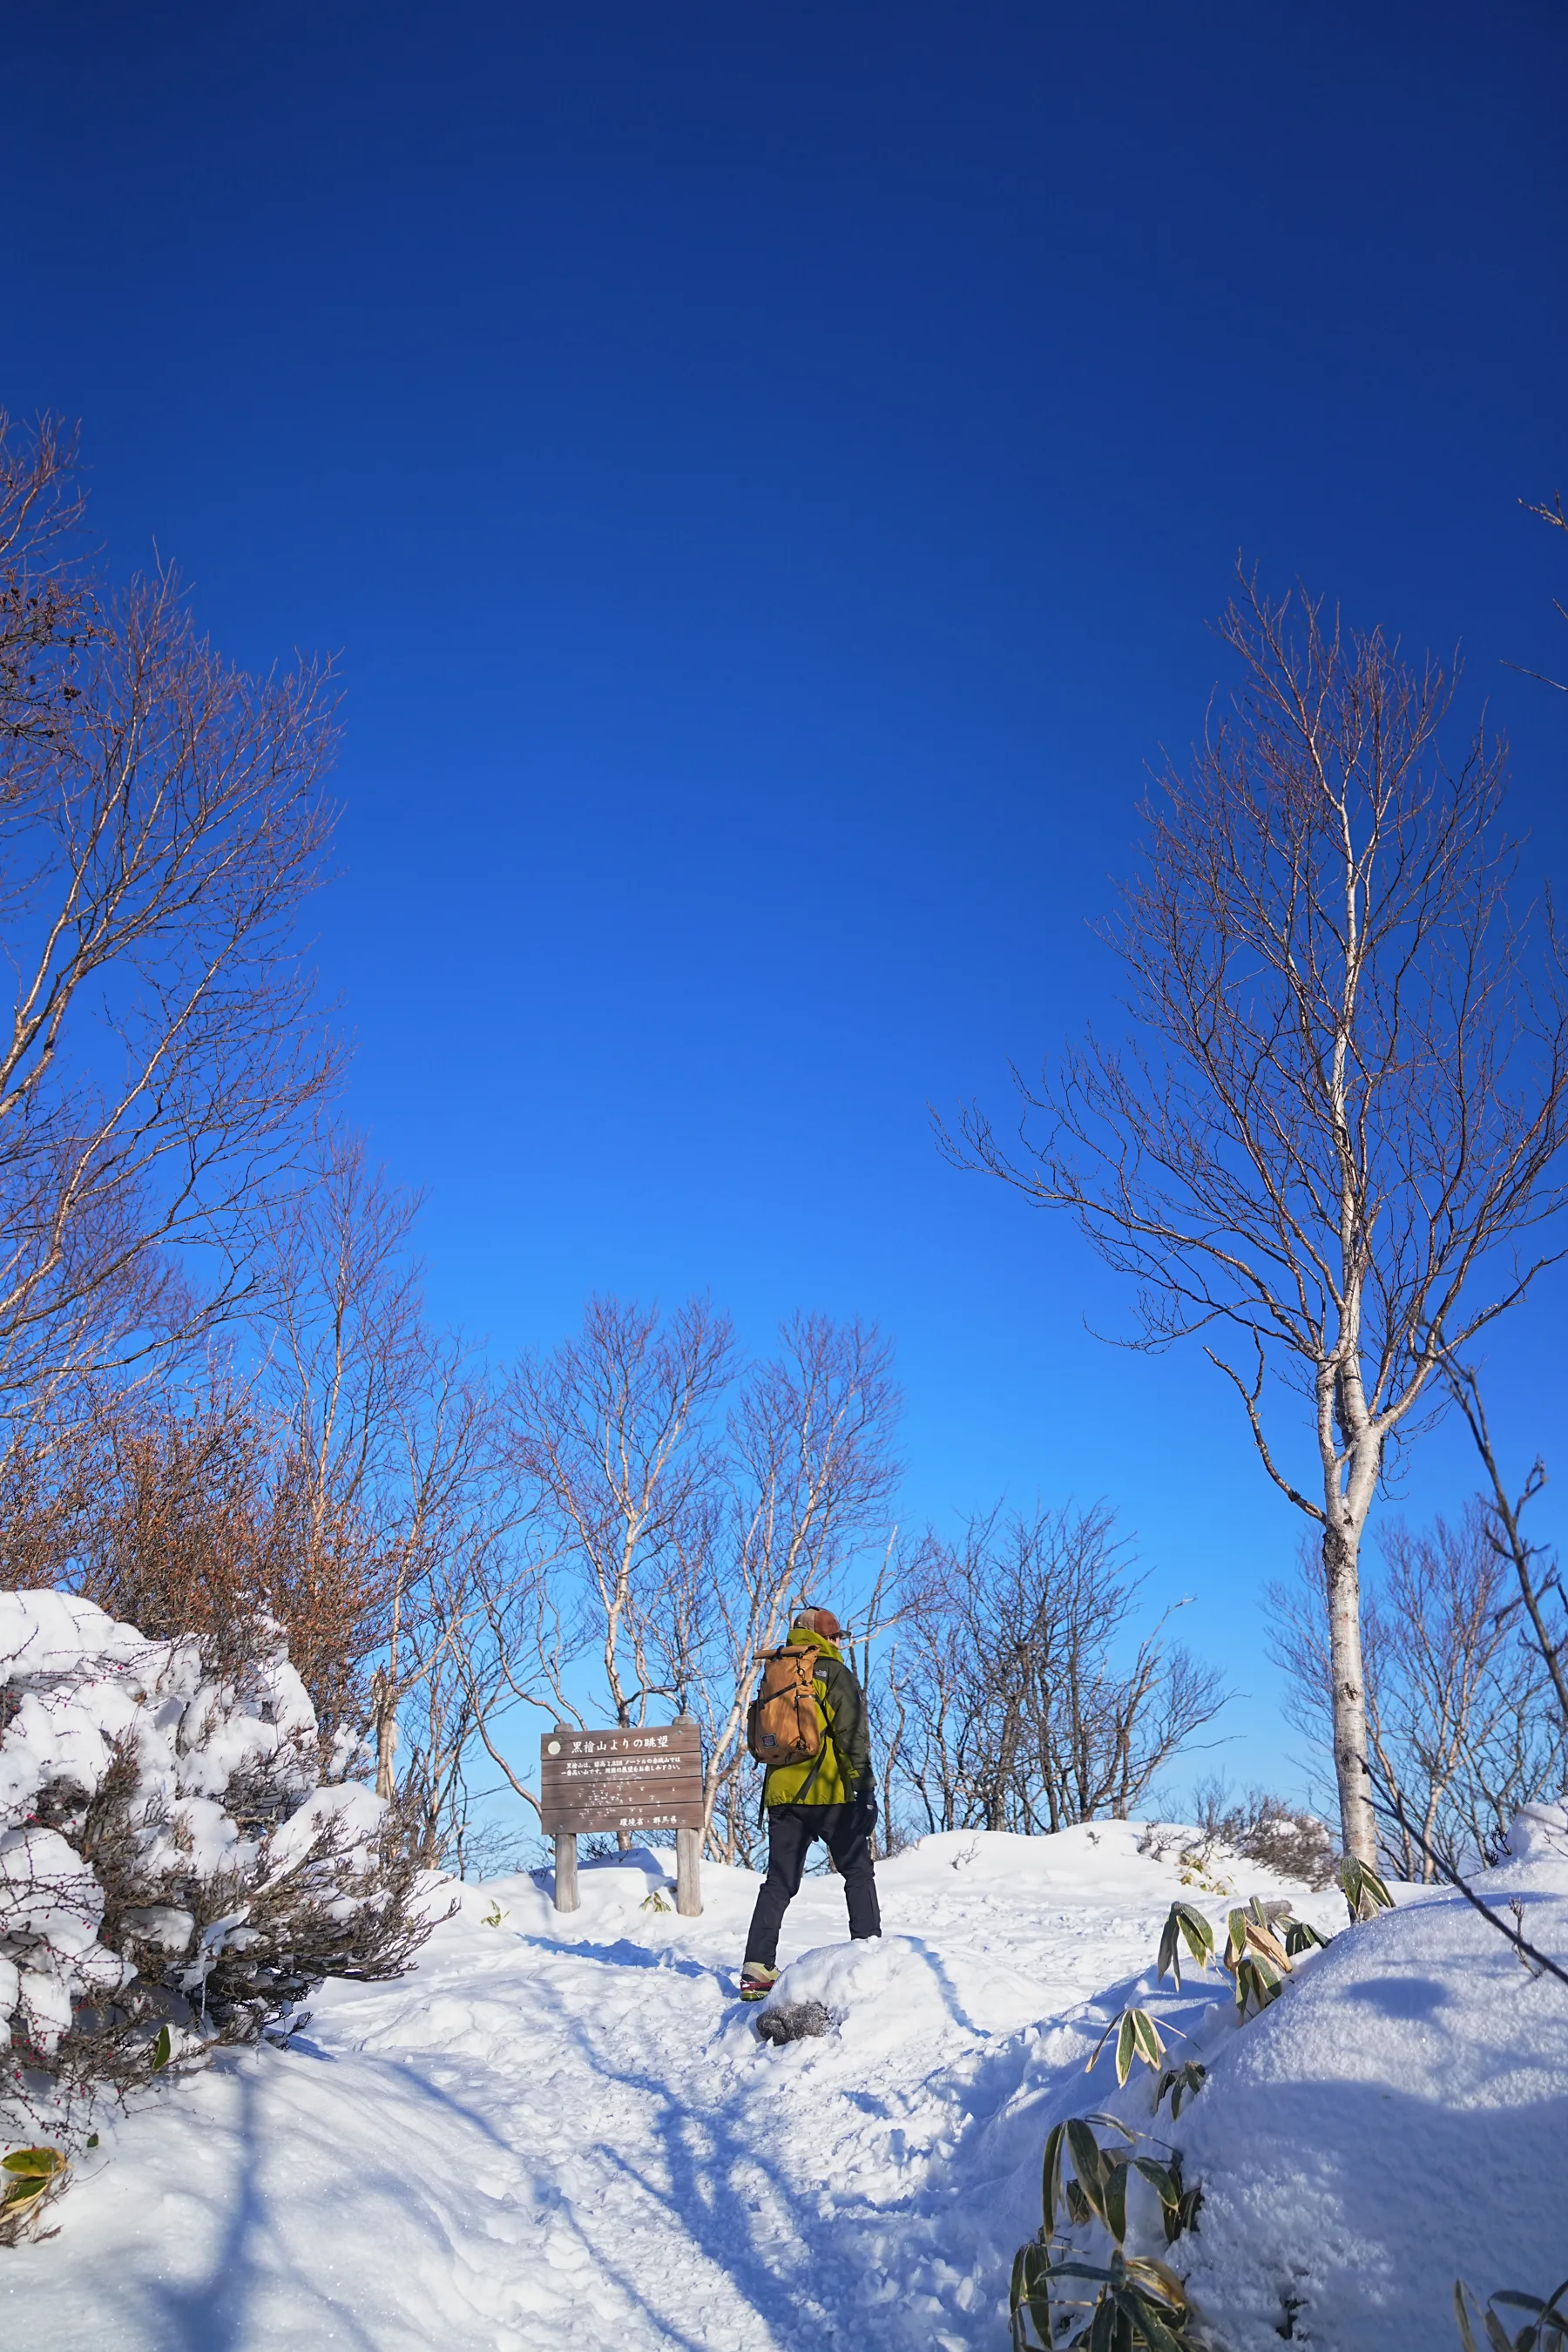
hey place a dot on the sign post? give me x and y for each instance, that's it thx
(566, 1895)
(645, 1778)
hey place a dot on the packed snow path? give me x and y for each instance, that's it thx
(567, 2134)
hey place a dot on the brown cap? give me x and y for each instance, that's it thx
(819, 1620)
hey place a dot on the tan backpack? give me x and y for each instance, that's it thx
(784, 1723)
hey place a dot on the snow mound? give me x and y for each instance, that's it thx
(1397, 2120)
(877, 1992)
(1540, 1834)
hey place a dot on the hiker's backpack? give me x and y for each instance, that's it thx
(784, 1723)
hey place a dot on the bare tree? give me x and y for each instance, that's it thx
(1260, 1827)
(612, 1432)
(160, 821)
(609, 1454)
(523, 1651)
(346, 1369)
(193, 1527)
(54, 1483)
(348, 1485)
(176, 1541)
(1338, 1133)
(1033, 1704)
(392, 1457)
(47, 601)
(685, 1545)
(448, 1676)
(447, 1516)
(940, 1694)
(809, 1472)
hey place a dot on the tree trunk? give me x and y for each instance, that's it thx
(384, 1710)
(1342, 1579)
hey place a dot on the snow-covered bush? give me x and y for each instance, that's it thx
(171, 1873)
(1264, 1828)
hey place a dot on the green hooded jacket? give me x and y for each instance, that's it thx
(837, 1775)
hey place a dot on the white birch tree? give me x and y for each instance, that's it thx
(1335, 1134)
(610, 1434)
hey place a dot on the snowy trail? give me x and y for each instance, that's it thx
(568, 2134)
(565, 2135)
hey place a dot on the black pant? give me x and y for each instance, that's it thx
(791, 1828)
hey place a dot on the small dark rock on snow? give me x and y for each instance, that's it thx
(794, 2020)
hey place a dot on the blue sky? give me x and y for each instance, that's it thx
(768, 471)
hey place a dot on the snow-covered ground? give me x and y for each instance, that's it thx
(567, 2134)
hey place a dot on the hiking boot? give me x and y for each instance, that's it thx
(757, 1980)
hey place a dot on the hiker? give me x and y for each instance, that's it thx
(810, 1715)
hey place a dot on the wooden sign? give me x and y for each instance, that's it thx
(647, 1779)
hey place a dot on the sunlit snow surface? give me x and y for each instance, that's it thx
(563, 2134)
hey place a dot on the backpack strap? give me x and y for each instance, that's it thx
(820, 1756)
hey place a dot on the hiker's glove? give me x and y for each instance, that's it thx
(863, 1806)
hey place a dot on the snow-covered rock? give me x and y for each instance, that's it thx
(878, 1992)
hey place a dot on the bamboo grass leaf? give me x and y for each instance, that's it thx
(1151, 2328)
(1037, 2296)
(1116, 2203)
(1146, 2039)
(1084, 2150)
(1159, 2179)
(1198, 1933)
(1114, 2027)
(1263, 1941)
(24, 2191)
(1157, 2278)
(1125, 2040)
(1182, 2082)
(1364, 1893)
(1051, 2176)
